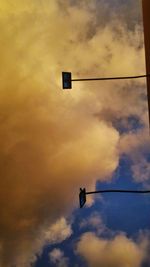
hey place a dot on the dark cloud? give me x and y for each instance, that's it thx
(128, 12)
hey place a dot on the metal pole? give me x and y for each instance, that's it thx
(119, 191)
(146, 24)
(111, 78)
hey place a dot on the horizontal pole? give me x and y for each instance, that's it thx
(111, 78)
(119, 191)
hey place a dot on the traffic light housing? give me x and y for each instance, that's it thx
(82, 197)
(66, 80)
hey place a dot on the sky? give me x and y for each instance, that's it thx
(54, 141)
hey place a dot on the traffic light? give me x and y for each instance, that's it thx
(82, 197)
(66, 80)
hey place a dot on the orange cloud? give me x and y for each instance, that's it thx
(51, 140)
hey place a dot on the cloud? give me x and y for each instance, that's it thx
(52, 142)
(141, 170)
(119, 251)
(95, 222)
(58, 232)
(57, 257)
(128, 12)
(137, 146)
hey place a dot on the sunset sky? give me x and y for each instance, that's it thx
(54, 141)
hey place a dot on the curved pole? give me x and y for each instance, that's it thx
(111, 78)
(120, 191)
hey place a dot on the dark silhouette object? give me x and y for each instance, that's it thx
(67, 81)
(83, 193)
(82, 197)
(146, 23)
(111, 78)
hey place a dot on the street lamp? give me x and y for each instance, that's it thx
(67, 80)
(83, 193)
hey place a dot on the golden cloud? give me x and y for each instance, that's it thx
(119, 251)
(51, 140)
